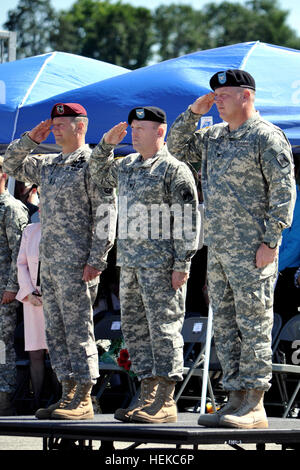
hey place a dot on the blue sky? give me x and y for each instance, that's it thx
(293, 6)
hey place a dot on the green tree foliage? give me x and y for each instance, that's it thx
(263, 20)
(179, 30)
(32, 20)
(117, 33)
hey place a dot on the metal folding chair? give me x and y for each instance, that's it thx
(196, 331)
(288, 373)
(277, 324)
(110, 328)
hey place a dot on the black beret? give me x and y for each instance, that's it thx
(236, 78)
(68, 109)
(147, 113)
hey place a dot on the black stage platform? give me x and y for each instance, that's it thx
(104, 428)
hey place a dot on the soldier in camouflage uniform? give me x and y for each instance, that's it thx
(249, 194)
(154, 264)
(13, 219)
(72, 254)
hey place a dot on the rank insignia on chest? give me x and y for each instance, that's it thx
(77, 164)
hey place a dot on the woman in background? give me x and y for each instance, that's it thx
(30, 295)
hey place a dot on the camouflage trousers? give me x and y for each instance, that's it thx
(152, 315)
(67, 303)
(243, 320)
(8, 372)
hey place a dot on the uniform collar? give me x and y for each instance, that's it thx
(69, 157)
(244, 128)
(150, 161)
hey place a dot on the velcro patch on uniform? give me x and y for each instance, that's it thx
(108, 190)
(186, 194)
(283, 160)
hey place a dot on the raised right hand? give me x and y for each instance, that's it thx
(203, 104)
(116, 134)
(40, 132)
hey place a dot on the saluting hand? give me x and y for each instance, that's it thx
(116, 134)
(40, 132)
(203, 104)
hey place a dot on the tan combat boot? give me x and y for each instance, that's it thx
(81, 407)
(163, 409)
(250, 415)
(148, 392)
(234, 402)
(68, 391)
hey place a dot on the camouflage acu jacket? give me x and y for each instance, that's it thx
(247, 179)
(69, 203)
(158, 217)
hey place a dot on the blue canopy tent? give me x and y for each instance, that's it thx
(176, 83)
(28, 81)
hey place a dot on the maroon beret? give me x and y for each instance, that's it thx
(67, 109)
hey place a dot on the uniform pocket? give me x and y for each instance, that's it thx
(263, 293)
